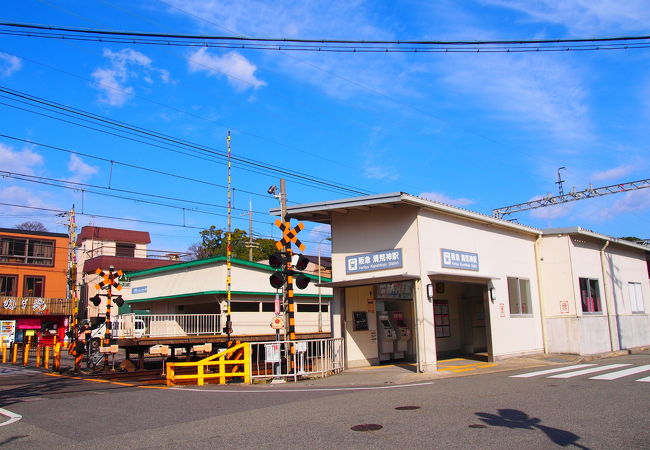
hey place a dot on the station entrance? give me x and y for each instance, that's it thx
(462, 320)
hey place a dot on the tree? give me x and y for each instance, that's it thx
(214, 240)
(31, 226)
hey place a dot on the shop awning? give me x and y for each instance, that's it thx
(371, 280)
(462, 277)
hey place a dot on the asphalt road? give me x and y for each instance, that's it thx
(491, 410)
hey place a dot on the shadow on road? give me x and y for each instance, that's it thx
(513, 418)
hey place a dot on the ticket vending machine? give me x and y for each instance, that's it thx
(403, 334)
(387, 335)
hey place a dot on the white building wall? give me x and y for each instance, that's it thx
(502, 253)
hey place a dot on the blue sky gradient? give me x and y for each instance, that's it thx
(475, 130)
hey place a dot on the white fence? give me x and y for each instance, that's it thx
(164, 325)
(314, 357)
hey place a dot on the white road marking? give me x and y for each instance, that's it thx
(13, 417)
(546, 372)
(622, 373)
(266, 391)
(644, 380)
(586, 371)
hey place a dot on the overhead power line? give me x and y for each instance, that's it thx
(572, 196)
(324, 45)
(245, 163)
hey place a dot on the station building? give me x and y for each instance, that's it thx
(199, 287)
(419, 280)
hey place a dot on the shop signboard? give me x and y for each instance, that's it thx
(454, 259)
(368, 262)
(8, 331)
(35, 306)
(139, 290)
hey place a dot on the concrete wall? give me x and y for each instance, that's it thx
(502, 253)
(563, 260)
(361, 346)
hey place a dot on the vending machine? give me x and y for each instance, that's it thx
(8, 331)
(386, 334)
(403, 334)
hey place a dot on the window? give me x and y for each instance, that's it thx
(590, 295)
(519, 295)
(311, 307)
(26, 251)
(34, 286)
(245, 306)
(441, 318)
(8, 285)
(269, 307)
(636, 297)
(125, 249)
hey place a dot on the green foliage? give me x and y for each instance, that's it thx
(214, 241)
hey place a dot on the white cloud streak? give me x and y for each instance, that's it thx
(442, 198)
(613, 173)
(9, 64)
(124, 66)
(240, 72)
(81, 171)
(20, 161)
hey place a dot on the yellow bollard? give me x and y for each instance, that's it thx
(39, 351)
(14, 354)
(26, 353)
(57, 357)
(4, 350)
(46, 362)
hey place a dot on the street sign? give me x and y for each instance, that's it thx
(272, 352)
(277, 322)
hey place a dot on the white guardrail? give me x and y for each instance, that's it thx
(163, 325)
(314, 357)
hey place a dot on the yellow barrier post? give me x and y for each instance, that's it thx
(199, 374)
(4, 350)
(14, 354)
(26, 353)
(170, 374)
(247, 364)
(39, 351)
(57, 357)
(46, 362)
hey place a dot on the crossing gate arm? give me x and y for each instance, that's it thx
(215, 367)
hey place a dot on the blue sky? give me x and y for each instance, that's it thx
(479, 131)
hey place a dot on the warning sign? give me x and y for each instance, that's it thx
(277, 323)
(564, 307)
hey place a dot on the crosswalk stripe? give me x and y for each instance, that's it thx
(644, 380)
(546, 372)
(621, 373)
(591, 370)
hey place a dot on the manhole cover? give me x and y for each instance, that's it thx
(367, 427)
(406, 408)
(477, 425)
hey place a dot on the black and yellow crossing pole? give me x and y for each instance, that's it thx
(109, 280)
(228, 327)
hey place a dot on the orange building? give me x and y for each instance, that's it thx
(33, 284)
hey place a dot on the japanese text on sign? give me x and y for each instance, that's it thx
(459, 260)
(386, 259)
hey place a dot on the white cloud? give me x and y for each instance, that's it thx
(20, 196)
(584, 16)
(318, 234)
(125, 65)
(539, 93)
(613, 173)
(552, 212)
(81, 171)
(442, 198)
(239, 71)
(628, 202)
(20, 161)
(9, 65)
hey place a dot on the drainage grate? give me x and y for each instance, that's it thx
(477, 425)
(406, 408)
(367, 427)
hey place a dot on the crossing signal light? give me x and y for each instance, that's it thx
(302, 281)
(278, 259)
(302, 263)
(119, 301)
(277, 280)
(96, 300)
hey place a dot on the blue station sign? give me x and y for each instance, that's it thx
(368, 262)
(454, 259)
